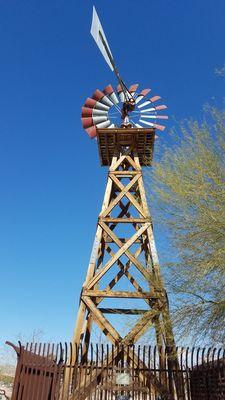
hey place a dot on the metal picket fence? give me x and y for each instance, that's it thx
(65, 372)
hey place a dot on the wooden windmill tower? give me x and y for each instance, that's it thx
(124, 266)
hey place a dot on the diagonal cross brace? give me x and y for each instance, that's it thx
(123, 250)
(129, 195)
(132, 258)
(123, 192)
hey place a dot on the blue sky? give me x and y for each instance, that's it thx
(51, 183)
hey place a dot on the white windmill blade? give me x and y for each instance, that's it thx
(100, 39)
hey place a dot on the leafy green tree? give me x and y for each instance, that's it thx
(187, 186)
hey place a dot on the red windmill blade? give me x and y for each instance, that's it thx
(109, 91)
(133, 88)
(143, 93)
(91, 103)
(156, 108)
(153, 125)
(124, 94)
(149, 101)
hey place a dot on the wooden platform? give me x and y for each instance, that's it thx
(116, 141)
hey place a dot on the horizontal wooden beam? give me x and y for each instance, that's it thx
(128, 311)
(108, 239)
(125, 220)
(134, 190)
(118, 294)
(130, 173)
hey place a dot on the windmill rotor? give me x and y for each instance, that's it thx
(105, 109)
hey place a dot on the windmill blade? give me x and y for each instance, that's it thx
(109, 91)
(124, 93)
(100, 39)
(150, 101)
(146, 122)
(143, 93)
(155, 116)
(120, 92)
(133, 88)
(92, 131)
(138, 126)
(161, 107)
(102, 98)
(157, 126)
(88, 112)
(99, 122)
(91, 103)
(156, 108)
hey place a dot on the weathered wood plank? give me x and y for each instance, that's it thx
(128, 311)
(123, 240)
(125, 220)
(125, 174)
(118, 294)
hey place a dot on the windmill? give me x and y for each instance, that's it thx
(124, 266)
